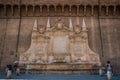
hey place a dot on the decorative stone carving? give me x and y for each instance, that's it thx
(70, 24)
(60, 44)
(59, 24)
(77, 29)
(41, 29)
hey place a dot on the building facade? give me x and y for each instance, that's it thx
(101, 18)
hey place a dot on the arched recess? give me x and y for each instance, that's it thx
(74, 10)
(51, 10)
(81, 10)
(15, 10)
(103, 10)
(37, 10)
(110, 10)
(118, 10)
(58, 10)
(8, 10)
(66, 10)
(96, 10)
(88, 10)
(44, 10)
(30, 10)
(23, 10)
(1, 10)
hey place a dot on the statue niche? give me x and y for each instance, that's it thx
(59, 44)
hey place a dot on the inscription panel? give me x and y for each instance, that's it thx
(60, 44)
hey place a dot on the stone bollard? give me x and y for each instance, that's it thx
(9, 74)
(18, 71)
(27, 69)
(6, 70)
(100, 71)
(109, 75)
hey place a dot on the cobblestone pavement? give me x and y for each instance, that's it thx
(58, 77)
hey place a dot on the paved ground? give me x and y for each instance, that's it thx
(58, 77)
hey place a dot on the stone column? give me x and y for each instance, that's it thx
(55, 10)
(100, 10)
(77, 10)
(114, 11)
(40, 10)
(107, 10)
(70, 10)
(19, 11)
(5, 10)
(26, 10)
(92, 10)
(62, 10)
(33, 10)
(48, 10)
(12, 10)
(85, 10)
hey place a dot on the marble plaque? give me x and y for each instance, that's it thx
(60, 44)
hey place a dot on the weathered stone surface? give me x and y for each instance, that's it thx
(58, 1)
(109, 25)
(59, 44)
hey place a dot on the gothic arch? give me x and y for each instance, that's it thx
(73, 10)
(30, 10)
(8, 10)
(66, 10)
(37, 10)
(44, 10)
(1, 10)
(15, 10)
(118, 10)
(96, 10)
(23, 10)
(51, 10)
(103, 10)
(59, 10)
(88, 10)
(81, 10)
(110, 10)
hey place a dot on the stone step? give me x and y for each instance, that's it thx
(60, 69)
(67, 71)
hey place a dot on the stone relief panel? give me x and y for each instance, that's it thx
(59, 44)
